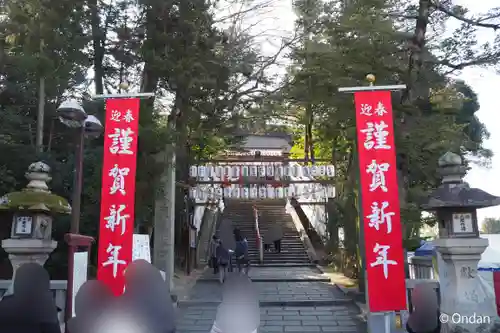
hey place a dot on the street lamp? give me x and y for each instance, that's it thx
(72, 114)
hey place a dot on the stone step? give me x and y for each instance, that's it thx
(286, 249)
(302, 257)
(283, 254)
(292, 264)
(282, 259)
(276, 262)
(288, 243)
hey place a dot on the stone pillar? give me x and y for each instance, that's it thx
(466, 303)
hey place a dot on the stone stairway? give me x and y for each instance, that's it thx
(240, 212)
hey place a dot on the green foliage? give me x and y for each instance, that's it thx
(343, 43)
(491, 226)
(173, 48)
(217, 81)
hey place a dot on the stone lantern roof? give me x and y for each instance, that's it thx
(36, 197)
(453, 191)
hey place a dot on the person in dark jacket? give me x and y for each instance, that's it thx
(31, 308)
(147, 296)
(223, 258)
(241, 252)
(425, 315)
(214, 244)
(91, 301)
(275, 235)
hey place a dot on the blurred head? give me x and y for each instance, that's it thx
(31, 279)
(424, 296)
(238, 288)
(91, 296)
(239, 310)
(32, 297)
(148, 294)
(139, 274)
(425, 315)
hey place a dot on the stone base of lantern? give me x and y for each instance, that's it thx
(22, 251)
(467, 304)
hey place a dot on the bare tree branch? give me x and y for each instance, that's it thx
(474, 22)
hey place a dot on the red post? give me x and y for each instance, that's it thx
(74, 241)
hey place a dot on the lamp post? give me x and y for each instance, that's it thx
(72, 114)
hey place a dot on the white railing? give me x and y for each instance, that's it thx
(421, 268)
(316, 214)
(258, 236)
(58, 287)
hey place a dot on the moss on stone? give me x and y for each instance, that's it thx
(34, 201)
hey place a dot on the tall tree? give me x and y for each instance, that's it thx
(346, 41)
(490, 226)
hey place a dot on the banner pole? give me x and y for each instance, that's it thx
(124, 95)
(118, 186)
(375, 325)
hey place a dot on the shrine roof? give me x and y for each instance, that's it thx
(280, 135)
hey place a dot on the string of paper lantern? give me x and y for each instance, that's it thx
(268, 192)
(264, 170)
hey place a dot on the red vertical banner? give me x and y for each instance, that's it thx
(380, 201)
(116, 225)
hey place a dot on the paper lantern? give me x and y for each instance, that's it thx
(219, 192)
(270, 170)
(280, 193)
(236, 192)
(330, 191)
(235, 172)
(279, 171)
(218, 171)
(227, 171)
(254, 193)
(306, 172)
(261, 171)
(321, 170)
(211, 170)
(245, 193)
(314, 171)
(262, 192)
(193, 171)
(211, 193)
(330, 171)
(314, 194)
(271, 192)
(294, 171)
(253, 171)
(202, 171)
(286, 171)
(202, 194)
(244, 170)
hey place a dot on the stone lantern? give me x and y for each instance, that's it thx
(468, 305)
(33, 210)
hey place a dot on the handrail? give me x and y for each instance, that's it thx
(258, 237)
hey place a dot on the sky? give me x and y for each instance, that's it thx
(486, 84)
(278, 20)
